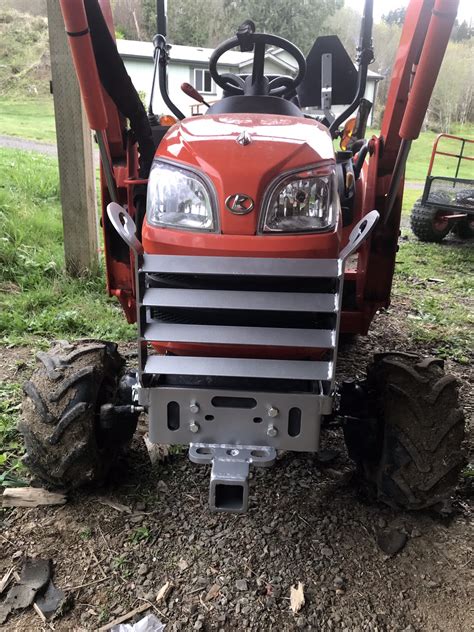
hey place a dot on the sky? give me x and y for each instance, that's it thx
(465, 11)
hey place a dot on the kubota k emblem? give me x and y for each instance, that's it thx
(239, 203)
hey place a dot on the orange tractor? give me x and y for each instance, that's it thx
(243, 245)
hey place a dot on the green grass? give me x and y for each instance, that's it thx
(32, 119)
(410, 196)
(420, 154)
(38, 301)
(11, 446)
(25, 68)
(437, 280)
(441, 313)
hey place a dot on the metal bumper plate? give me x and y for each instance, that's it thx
(235, 417)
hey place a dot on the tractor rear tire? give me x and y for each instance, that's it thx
(65, 447)
(423, 223)
(414, 457)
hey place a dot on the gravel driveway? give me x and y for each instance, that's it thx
(12, 142)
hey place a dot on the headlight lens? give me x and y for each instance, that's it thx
(301, 202)
(178, 198)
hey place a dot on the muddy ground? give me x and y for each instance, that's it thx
(307, 522)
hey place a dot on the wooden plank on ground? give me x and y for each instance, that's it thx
(31, 497)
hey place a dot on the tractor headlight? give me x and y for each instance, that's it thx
(179, 198)
(302, 202)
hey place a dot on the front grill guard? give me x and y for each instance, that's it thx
(153, 329)
(284, 420)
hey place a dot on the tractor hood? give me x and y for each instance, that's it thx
(242, 154)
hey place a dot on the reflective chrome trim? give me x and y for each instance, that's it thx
(244, 138)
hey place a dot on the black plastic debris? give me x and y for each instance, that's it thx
(50, 600)
(35, 575)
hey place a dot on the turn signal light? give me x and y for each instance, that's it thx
(167, 120)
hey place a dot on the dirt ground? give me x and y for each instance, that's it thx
(307, 522)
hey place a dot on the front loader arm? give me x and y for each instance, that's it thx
(110, 99)
(102, 113)
(423, 43)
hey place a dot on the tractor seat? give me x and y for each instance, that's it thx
(255, 105)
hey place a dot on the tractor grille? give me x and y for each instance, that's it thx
(243, 302)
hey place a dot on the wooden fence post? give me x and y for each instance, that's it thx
(75, 155)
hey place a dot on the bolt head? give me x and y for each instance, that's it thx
(194, 426)
(194, 407)
(273, 412)
(272, 431)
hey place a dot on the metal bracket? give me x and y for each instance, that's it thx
(229, 488)
(359, 234)
(125, 226)
(326, 86)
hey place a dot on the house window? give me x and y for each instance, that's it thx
(203, 81)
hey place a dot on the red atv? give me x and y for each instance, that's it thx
(447, 203)
(243, 246)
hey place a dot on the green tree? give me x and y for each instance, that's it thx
(453, 95)
(461, 31)
(195, 23)
(396, 17)
(190, 23)
(299, 21)
(345, 23)
(386, 39)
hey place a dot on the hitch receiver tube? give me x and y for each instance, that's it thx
(229, 487)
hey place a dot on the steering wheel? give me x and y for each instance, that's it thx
(257, 84)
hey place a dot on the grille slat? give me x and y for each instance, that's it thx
(238, 266)
(239, 367)
(240, 300)
(230, 335)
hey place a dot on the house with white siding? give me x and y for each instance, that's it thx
(189, 64)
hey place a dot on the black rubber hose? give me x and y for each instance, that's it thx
(361, 154)
(119, 86)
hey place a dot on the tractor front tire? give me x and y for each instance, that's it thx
(424, 223)
(60, 414)
(414, 457)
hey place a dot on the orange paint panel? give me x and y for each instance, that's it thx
(278, 145)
